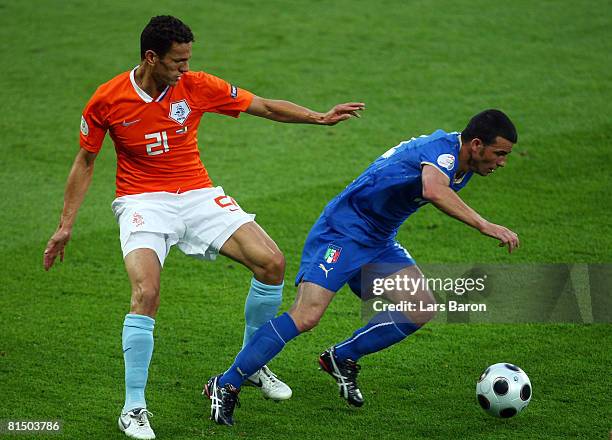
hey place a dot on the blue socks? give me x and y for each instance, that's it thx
(383, 330)
(265, 343)
(137, 351)
(261, 305)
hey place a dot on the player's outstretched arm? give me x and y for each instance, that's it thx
(438, 192)
(76, 188)
(285, 111)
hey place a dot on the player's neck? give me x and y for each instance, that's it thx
(146, 81)
(464, 160)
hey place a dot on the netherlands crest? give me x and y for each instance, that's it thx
(332, 254)
(179, 111)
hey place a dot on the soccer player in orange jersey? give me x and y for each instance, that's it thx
(165, 196)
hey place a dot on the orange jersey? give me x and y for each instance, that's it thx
(156, 140)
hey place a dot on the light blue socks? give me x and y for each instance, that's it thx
(261, 306)
(137, 351)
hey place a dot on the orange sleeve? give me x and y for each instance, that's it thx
(218, 96)
(93, 124)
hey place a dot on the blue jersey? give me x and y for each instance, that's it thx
(372, 208)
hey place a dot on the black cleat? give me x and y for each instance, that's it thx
(345, 373)
(223, 400)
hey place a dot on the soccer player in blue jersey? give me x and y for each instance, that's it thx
(357, 229)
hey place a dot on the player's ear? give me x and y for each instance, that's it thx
(150, 57)
(476, 145)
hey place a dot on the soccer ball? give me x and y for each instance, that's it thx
(503, 390)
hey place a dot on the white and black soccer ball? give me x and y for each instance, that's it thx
(503, 390)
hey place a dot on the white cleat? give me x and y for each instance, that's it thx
(135, 424)
(271, 386)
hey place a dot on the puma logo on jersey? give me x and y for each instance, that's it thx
(127, 124)
(325, 269)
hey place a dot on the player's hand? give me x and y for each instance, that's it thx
(503, 234)
(342, 112)
(55, 247)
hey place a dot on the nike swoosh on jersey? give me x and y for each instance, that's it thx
(127, 124)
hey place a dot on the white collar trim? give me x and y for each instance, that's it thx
(144, 95)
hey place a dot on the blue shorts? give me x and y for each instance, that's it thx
(331, 259)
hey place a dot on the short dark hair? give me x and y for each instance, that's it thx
(489, 124)
(161, 32)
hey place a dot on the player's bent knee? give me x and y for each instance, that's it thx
(408, 328)
(276, 265)
(305, 322)
(427, 309)
(145, 298)
(272, 271)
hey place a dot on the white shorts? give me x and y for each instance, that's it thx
(198, 221)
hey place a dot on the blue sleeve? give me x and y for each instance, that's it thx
(440, 155)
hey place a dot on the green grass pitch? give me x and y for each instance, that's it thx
(419, 66)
